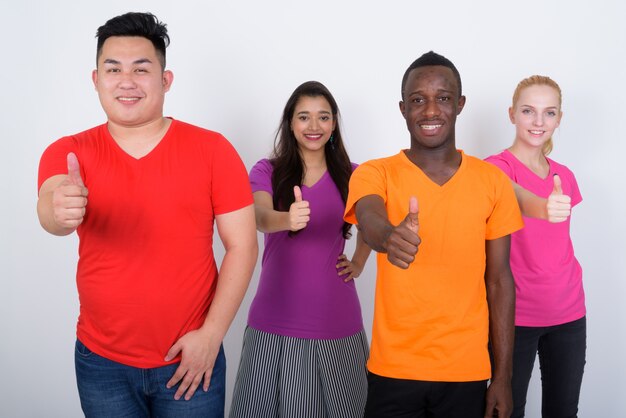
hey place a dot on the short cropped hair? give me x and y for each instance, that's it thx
(428, 59)
(145, 25)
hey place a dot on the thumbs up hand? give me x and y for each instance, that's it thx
(403, 242)
(299, 212)
(69, 199)
(559, 205)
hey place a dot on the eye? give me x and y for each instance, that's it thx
(112, 70)
(444, 98)
(551, 113)
(527, 111)
(303, 118)
(141, 70)
(417, 100)
(325, 118)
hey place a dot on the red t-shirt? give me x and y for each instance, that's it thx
(146, 271)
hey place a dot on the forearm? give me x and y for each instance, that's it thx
(373, 222)
(501, 300)
(270, 220)
(530, 204)
(361, 251)
(234, 278)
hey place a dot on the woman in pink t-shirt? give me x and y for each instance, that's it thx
(550, 301)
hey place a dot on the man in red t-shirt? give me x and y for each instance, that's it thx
(143, 193)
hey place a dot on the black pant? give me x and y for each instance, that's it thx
(387, 398)
(561, 351)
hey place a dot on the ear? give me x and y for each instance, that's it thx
(402, 109)
(94, 78)
(461, 104)
(168, 79)
(512, 115)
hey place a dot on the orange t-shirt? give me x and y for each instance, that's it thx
(146, 273)
(431, 321)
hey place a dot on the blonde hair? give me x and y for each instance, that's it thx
(538, 80)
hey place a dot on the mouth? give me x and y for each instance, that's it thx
(430, 127)
(313, 137)
(128, 99)
(537, 133)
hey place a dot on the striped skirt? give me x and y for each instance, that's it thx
(290, 377)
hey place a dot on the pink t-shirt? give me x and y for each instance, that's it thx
(548, 278)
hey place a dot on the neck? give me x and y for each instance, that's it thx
(433, 158)
(138, 141)
(312, 160)
(530, 156)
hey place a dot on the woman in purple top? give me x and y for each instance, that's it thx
(304, 350)
(550, 301)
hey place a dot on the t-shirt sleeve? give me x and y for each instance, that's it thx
(54, 159)
(367, 179)
(229, 180)
(499, 161)
(575, 194)
(261, 177)
(505, 217)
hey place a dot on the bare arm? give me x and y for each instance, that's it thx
(354, 267)
(501, 300)
(399, 242)
(556, 208)
(200, 347)
(270, 220)
(63, 200)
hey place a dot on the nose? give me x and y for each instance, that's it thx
(538, 120)
(431, 108)
(126, 80)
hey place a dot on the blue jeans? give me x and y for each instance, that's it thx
(108, 389)
(561, 351)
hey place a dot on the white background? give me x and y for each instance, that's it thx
(235, 64)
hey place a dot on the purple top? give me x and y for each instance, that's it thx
(300, 294)
(548, 278)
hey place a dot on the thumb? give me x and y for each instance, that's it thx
(297, 193)
(557, 184)
(73, 170)
(412, 217)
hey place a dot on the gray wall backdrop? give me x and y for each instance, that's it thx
(235, 63)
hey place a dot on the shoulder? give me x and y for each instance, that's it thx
(262, 167)
(180, 128)
(559, 168)
(489, 173)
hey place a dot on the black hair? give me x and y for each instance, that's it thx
(428, 59)
(145, 25)
(287, 161)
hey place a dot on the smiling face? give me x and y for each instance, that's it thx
(430, 105)
(536, 114)
(130, 82)
(312, 123)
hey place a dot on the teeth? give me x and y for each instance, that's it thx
(537, 132)
(128, 99)
(430, 127)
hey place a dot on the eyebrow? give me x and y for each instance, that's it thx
(440, 91)
(116, 62)
(306, 112)
(547, 108)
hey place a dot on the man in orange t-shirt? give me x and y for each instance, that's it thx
(444, 287)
